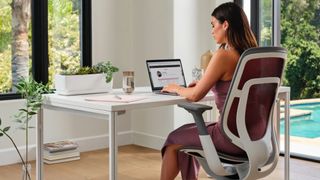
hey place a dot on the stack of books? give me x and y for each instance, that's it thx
(61, 151)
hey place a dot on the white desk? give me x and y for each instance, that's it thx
(106, 110)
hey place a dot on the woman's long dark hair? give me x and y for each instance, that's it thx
(239, 33)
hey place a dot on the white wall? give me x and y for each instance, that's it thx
(152, 34)
(112, 34)
(127, 32)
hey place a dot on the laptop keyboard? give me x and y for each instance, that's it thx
(167, 93)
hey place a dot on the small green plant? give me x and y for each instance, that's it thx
(103, 67)
(32, 92)
(107, 68)
(3, 131)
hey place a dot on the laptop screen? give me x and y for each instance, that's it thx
(165, 71)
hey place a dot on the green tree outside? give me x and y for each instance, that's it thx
(266, 22)
(300, 34)
(63, 37)
(5, 46)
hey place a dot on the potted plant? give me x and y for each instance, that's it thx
(83, 80)
(32, 92)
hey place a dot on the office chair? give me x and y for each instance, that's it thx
(249, 103)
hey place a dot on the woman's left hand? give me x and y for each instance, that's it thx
(171, 88)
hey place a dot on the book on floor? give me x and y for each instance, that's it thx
(60, 146)
(60, 154)
(61, 160)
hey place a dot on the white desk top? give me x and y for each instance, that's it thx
(78, 102)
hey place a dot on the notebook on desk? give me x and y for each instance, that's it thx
(164, 71)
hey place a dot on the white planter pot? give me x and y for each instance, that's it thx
(81, 84)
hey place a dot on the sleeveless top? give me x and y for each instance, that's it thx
(220, 91)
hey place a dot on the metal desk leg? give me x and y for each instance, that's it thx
(287, 136)
(39, 153)
(113, 146)
(277, 120)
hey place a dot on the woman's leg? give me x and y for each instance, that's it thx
(174, 161)
(170, 167)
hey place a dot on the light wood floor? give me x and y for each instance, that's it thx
(135, 163)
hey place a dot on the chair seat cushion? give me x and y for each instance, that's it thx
(225, 158)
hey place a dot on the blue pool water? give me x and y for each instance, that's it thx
(307, 126)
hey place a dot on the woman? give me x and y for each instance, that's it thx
(230, 28)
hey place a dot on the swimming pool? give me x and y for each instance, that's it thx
(307, 126)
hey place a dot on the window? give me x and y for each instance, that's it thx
(265, 23)
(63, 36)
(60, 37)
(264, 20)
(14, 42)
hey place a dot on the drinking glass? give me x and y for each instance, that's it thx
(128, 82)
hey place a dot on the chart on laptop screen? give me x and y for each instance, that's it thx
(166, 72)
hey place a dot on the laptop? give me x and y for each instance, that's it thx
(164, 71)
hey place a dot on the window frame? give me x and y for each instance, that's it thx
(254, 15)
(40, 57)
(255, 20)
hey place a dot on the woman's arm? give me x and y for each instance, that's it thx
(215, 71)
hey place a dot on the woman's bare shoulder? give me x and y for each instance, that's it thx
(225, 55)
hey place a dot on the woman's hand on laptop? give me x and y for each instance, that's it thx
(172, 88)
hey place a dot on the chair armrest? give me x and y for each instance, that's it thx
(196, 110)
(194, 107)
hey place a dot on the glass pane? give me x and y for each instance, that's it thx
(300, 34)
(64, 36)
(15, 43)
(265, 23)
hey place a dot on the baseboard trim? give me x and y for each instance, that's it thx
(148, 140)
